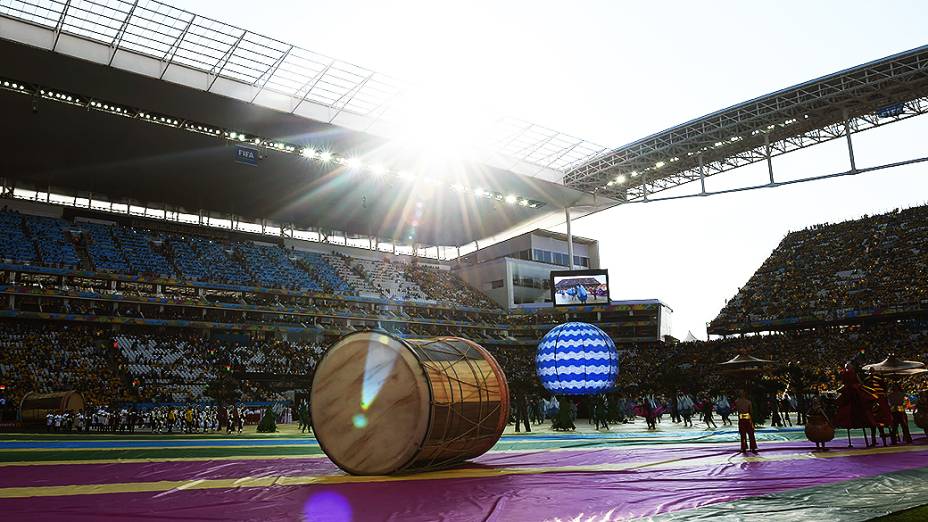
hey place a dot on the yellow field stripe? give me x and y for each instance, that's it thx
(273, 481)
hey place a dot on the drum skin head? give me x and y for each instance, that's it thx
(370, 404)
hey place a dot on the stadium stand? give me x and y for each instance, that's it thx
(272, 267)
(219, 262)
(101, 248)
(811, 279)
(448, 286)
(43, 358)
(346, 272)
(829, 272)
(322, 271)
(389, 280)
(52, 241)
(14, 244)
(138, 247)
(112, 248)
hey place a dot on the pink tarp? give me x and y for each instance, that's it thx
(675, 479)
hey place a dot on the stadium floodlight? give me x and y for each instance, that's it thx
(523, 202)
(325, 156)
(659, 164)
(621, 179)
(308, 152)
(511, 199)
(479, 192)
(378, 170)
(405, 174)
(354, 163)
(634, 173)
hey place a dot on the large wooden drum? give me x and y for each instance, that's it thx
(385, 405)
(35, 406)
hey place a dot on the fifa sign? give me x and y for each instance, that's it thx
(246, 155)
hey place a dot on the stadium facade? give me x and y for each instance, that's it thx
(174, 172)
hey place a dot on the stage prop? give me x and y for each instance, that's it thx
(744, 364)
(818, 428)
(577, 359)
(855, 404)
(35, 406)
(893, 365)
(385, 405)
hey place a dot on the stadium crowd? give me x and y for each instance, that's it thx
(820, 274)
(831, 271)
(183, 255)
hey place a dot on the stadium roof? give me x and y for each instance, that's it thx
(157, 39)
(860, 98)
(87, 129)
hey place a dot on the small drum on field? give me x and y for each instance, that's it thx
(385, 405)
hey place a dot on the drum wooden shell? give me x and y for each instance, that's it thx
(384, 405)
(35, 406)
(818, 430)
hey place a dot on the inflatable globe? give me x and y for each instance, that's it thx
(577, 359)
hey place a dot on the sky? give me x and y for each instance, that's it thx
(612, 72)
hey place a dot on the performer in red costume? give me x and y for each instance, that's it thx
(745, 422)
(855, 404)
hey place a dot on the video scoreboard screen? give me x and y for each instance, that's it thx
(579, 287)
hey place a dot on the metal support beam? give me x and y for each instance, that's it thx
(702, 177)
(767, 152)
(225, 60)
(60, 25)
(850, 144)
(270, 73)
(311, 84)
(169, 56)
(122, 32)
(570, 241)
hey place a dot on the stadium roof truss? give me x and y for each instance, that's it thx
(156, 39)
(831, 107)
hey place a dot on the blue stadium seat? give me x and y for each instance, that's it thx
(15, 246)
(55, 248)
(101, 248)
(142, 258)
(272, 267)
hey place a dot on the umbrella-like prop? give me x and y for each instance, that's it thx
(893, 365)
(744, 363)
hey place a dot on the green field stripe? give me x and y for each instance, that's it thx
(160, 453)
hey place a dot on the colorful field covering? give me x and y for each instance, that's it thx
(672, 475)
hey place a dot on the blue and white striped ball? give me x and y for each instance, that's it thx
(577, 359)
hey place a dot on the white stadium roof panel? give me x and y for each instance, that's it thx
(369, 100)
